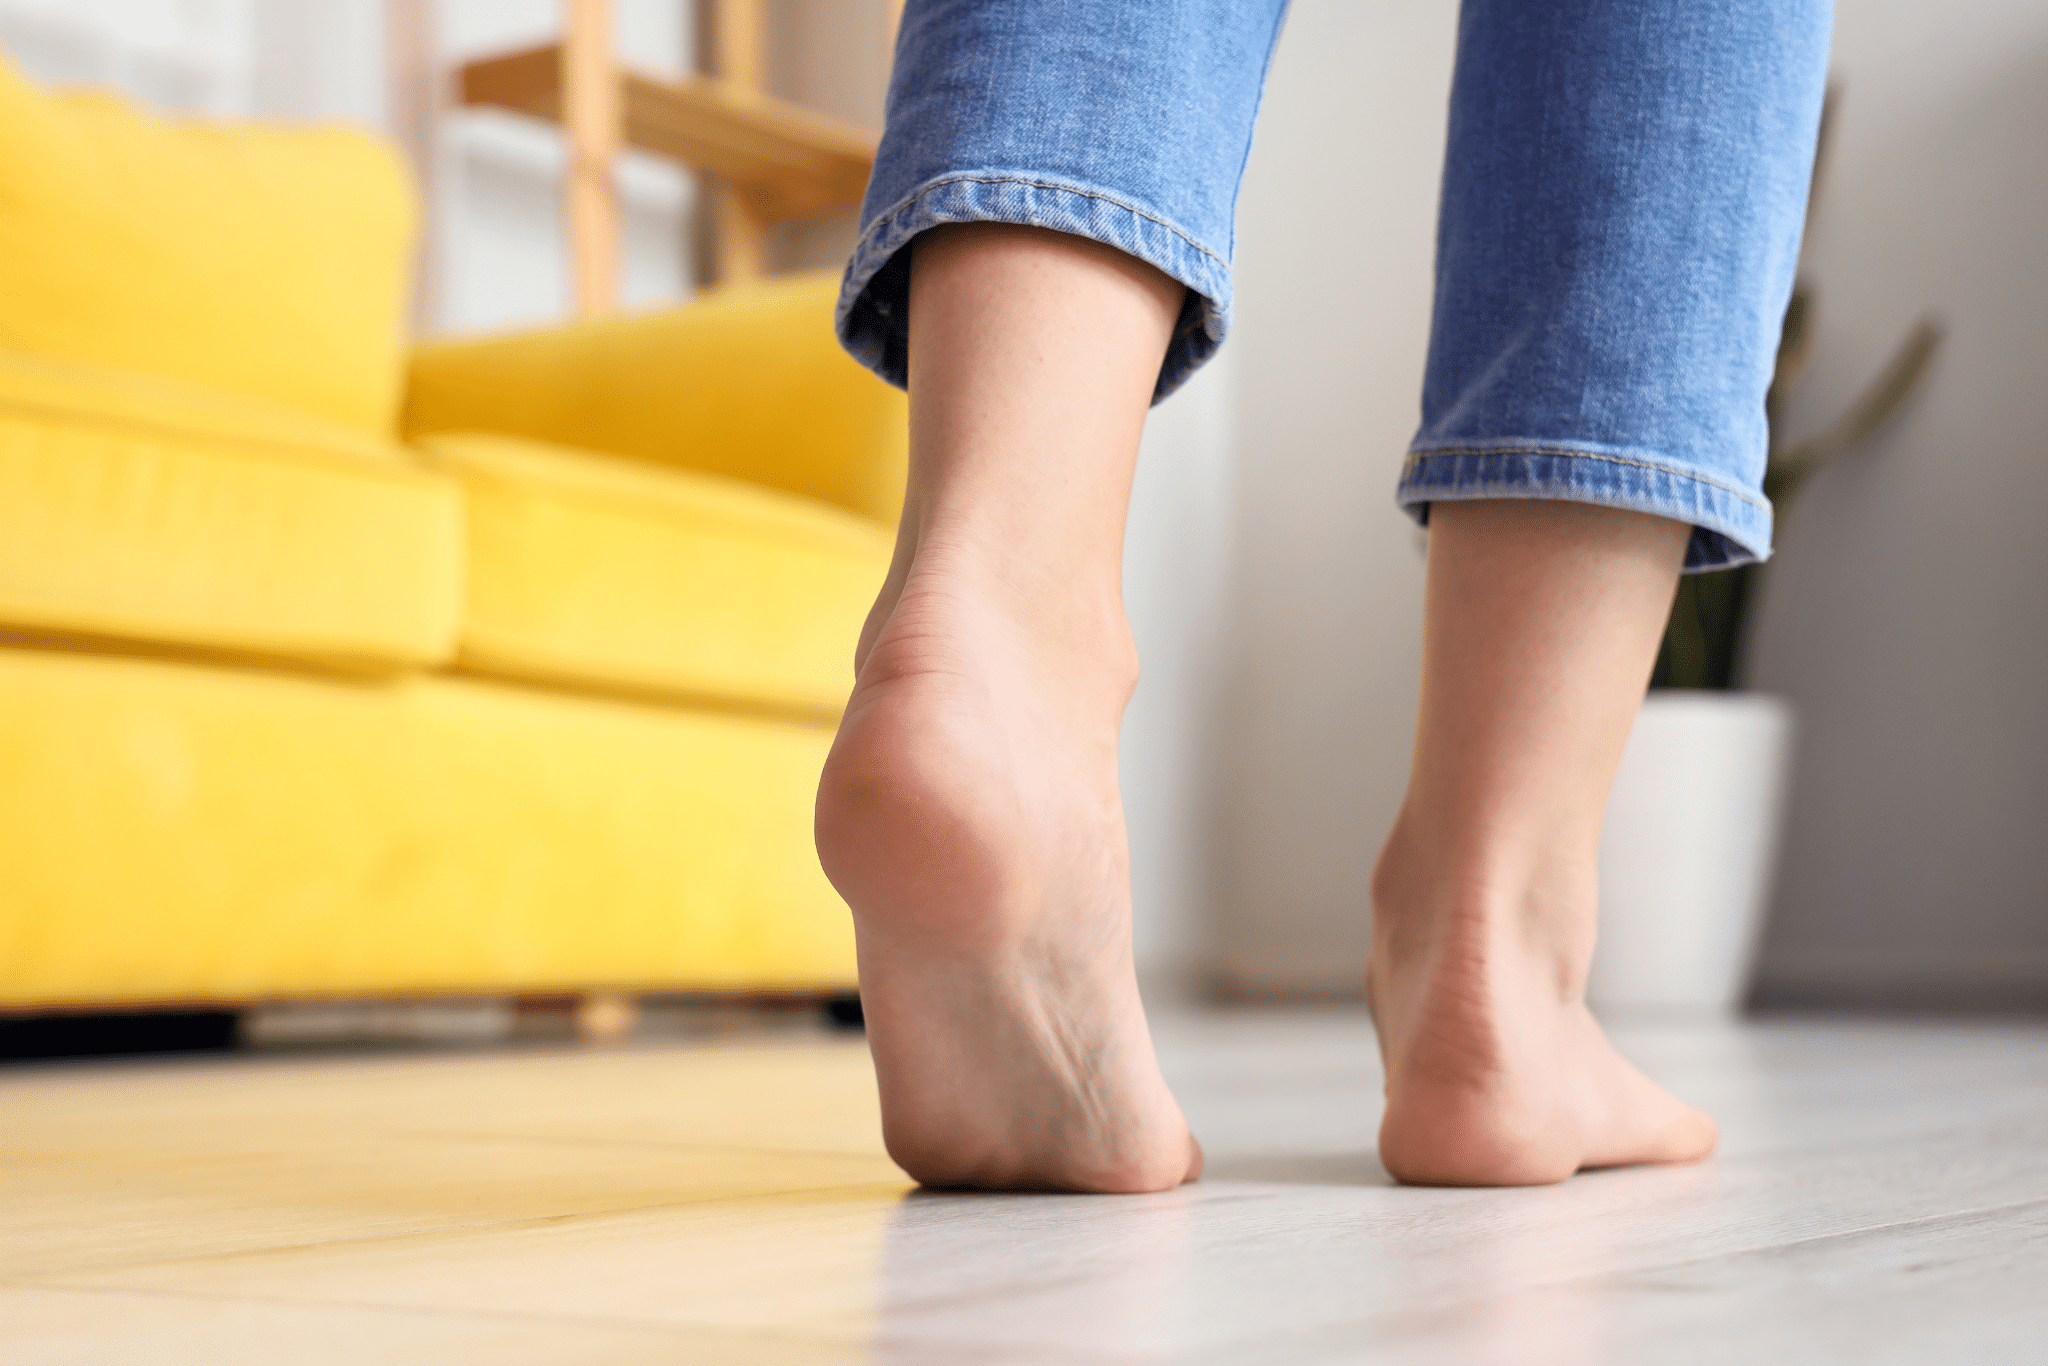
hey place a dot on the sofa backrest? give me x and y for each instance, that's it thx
(266, 261)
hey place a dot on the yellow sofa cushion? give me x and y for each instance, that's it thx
(171, 832)
(270, 262)
(747, 382)
(602, 572)
(134, 506)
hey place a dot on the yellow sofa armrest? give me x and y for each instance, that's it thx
(747, 382)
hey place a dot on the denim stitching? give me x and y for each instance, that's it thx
(1673, 470)
(909, 203)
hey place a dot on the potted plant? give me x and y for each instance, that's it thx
(1691, 832)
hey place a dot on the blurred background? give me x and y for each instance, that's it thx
(1274, 589)
(494, 257)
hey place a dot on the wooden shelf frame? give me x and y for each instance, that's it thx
(765, 161)
(786, 162)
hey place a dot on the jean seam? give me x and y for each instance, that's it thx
(1674, 470)
(899, 210)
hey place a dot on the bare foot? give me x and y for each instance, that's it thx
(1497, 1074)
(969, 815)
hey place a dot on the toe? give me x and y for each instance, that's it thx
(1692, 1137)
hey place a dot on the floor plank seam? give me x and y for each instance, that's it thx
(1614, 1276)
(1858, 1232)
(537, 1221)
(654, 1144)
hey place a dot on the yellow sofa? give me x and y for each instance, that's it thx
(332, 670)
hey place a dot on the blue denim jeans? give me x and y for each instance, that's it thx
(1623, 196)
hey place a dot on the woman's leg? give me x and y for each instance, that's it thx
(1623, 195)
(969, 810)
(1044, 250)
(1540, 627)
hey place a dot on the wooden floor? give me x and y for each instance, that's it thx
(1882, 1196)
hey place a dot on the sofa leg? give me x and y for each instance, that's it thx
(606, 1016)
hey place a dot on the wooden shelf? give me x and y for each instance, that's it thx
(784, 162)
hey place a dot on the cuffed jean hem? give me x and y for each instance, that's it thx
(1731, 526)
(873, 316)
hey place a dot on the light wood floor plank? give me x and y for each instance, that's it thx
(1880, 1187)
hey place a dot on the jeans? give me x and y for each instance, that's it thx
(1624, 190)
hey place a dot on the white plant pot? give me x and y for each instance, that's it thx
(1687, 853)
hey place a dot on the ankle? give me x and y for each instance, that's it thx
(967, 602)
(1468, 910)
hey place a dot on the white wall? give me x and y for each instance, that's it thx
(317, 60)
(1335, 242)
(177, 56)
(1178, 577)
(1904, 613)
